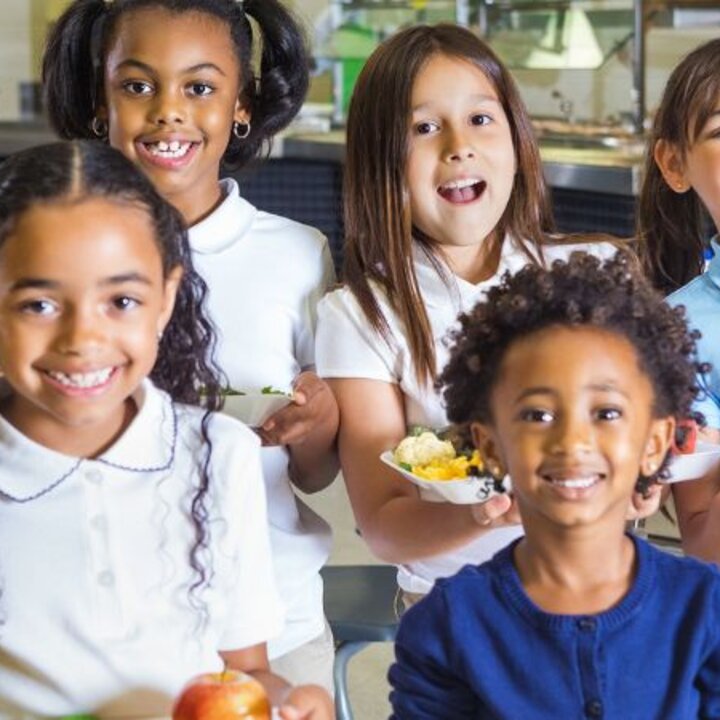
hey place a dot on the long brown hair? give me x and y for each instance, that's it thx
(670, 225)
(378, 226)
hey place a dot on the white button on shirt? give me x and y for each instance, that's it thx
(95, 614)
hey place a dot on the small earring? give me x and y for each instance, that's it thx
(159, 335)
(99, 128)
(241, 130)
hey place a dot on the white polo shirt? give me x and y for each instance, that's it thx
(94, 565)
(347, 347)
(265, 275)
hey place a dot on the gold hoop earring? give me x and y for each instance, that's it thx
(99, 128)
(241, 130)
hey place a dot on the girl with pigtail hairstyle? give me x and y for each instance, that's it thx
(142, 513)
(172, 85)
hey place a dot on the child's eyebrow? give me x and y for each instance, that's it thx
(481, 98)
(38, 283)
(45, 284)
(125, 278)
(594, 387)
(138, 64)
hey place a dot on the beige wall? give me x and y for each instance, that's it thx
(15, 56)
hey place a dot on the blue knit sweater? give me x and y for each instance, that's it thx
(478, 647)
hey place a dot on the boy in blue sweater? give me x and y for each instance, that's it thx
(570, 381)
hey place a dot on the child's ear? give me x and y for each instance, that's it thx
(672, 165)
(172, 282)
(484, 440)
(662, 432)
(241, 114)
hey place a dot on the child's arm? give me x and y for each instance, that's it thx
(425, 686)
(697, 504)
(398, 526)
(308, 426)
(305, 702)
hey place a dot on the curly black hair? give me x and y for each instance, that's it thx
(612, 295)
(184, 367)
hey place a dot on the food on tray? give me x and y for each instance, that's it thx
(267, 390)
(432, 458)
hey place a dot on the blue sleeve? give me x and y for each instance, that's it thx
(425, 685)
(708, 679)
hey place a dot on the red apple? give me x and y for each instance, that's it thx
(228, 695)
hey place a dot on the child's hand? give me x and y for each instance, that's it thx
(307, 702)
(313, 404)
(498, 511)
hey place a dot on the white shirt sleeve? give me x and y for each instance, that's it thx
(346, 345)
(254, 613)
(320, 281)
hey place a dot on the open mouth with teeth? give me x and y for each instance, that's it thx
(82, 381)
(462, 191)
(169, 150)
(575, 486)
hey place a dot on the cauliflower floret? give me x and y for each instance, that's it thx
(423, 449)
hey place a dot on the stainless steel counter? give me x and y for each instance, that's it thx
(16, 136)
(615, 171)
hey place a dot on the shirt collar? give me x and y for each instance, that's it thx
(226, 224)
(441, 289)
(147, 445)
(713, 270)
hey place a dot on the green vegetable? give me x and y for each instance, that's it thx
(270, 390)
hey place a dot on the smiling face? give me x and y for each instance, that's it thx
(573, 426)
(702, 165)
(82, 299)
(461, 160)
(171, 100)
(698, 167)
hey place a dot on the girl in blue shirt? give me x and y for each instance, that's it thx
(570, 381)
(681, 189)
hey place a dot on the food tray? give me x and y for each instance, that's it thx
(463, 491)
(254, 408)
(694, 465)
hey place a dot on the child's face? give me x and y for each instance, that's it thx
(702, 165)
(573, 426)
(461, 159)
(82, 300)
(700, 168)
(174, 78)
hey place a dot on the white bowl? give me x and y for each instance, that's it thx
(462, 491)
(254, 408)
(694, 465)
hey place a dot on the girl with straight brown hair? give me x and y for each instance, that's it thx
(444, 193)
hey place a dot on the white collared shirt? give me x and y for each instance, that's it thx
(265, 276)
(348, 347)
(95, 614)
